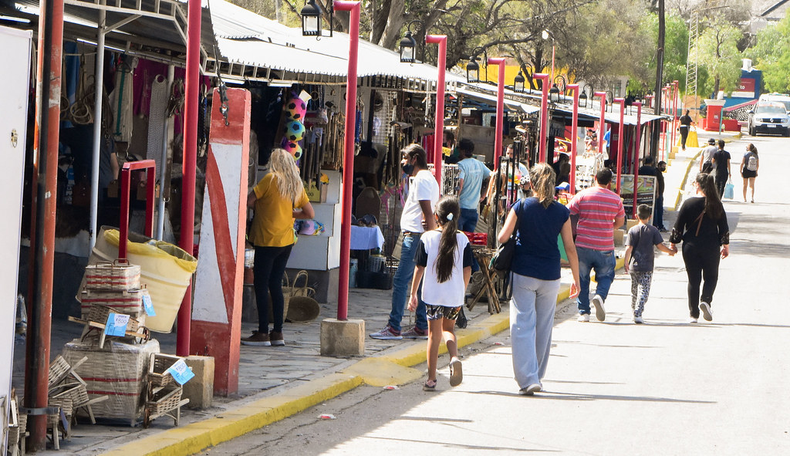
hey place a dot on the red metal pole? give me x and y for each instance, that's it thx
(636, 149)
(675, 99)
(128, 167)
(649, 99)
(500, 106)
(574, 88)
(620, 140)
(602, 120)
(441, 40)
(544, 114)
(191, 109)
(348, 161)
(42, 233)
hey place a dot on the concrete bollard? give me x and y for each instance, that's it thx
(342, 338)
(200, 389)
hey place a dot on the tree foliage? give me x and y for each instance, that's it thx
(719, 54)
(771, 54)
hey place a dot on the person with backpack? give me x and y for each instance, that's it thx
(749, 166)
(702, 227)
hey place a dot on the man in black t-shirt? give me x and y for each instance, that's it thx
(685, 126)
(721, 167)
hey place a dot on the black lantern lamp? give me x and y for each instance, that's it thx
(472, 70)
(554, 94)
(583, 100)
(408, 48)
(518, 82)
(311, 19)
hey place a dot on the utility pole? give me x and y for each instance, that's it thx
(659, 72)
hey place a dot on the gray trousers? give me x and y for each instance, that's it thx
(531, 320)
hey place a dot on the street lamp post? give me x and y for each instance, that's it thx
(544, 113)
(602, 120)
(546, 35)
(638, 105)
(620, 138)
(500, 106)
(348, 160)
(574, 88)
(441, 40)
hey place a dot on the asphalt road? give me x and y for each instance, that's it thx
(614, 388)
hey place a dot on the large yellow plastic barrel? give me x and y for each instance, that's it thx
(165, 269)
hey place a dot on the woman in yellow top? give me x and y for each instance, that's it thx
(276, 201)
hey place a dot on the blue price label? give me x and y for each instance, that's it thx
(148, 305)
(181, 372)
(116, 324)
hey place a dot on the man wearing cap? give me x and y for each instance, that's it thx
(471, 173)
(705, 161)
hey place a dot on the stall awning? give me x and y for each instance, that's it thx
(490, 97)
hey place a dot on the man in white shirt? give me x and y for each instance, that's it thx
(419, 207)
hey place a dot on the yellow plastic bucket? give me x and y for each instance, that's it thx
(165, 269)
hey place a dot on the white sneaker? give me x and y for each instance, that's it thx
(706, 312)
(692, 320)
(638, 320)
(583, 318)
(600, 312)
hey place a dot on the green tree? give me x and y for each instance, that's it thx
(719, 54)
(771, 54)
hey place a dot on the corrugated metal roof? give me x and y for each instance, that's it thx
(490, 97)
(244, 37)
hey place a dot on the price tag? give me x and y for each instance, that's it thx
(180, 372)
(116, 324)
(148, 306)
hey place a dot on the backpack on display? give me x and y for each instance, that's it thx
(751, 164)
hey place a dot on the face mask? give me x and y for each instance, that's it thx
(407, 168)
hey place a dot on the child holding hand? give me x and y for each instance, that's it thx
(447, 255)
(639, 248)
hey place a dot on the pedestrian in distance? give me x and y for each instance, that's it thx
(702, 227)
(417, 211)
(600, 211)
(721, 168)
(658, 211)
(705, 161)
(640, 258)
(276, 201)
(749, 166)
(443, 262)
(685, 127)
(537, 222)
(471, 174)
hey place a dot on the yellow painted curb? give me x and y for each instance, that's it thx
(195, 437)
(679, 194)
(383, 370)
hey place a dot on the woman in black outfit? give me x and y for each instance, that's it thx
(702, 226)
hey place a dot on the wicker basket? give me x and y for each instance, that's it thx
(77, 392)
(119, 275)
(164, 400)
(65, 404)
(127, 301)
(117, 371)
(99, 314)
(157, 369)
(58, 370)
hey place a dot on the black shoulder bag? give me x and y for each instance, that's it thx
(503, 257)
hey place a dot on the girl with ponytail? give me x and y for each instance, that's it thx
(447, 256)
(537, 222)
(702, 227)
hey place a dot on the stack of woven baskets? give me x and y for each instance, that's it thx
(117, 368)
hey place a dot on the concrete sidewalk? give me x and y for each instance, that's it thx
(277, 382)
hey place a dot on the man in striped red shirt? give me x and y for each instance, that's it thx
(600, 211)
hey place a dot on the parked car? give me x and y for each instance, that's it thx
(777, 98)
(769, 117)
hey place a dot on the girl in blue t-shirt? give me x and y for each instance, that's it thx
(537, 221)
(447, 255)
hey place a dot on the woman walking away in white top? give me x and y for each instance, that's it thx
(448, 256)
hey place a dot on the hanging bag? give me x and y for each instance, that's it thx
(503, 257)
(729, 190)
